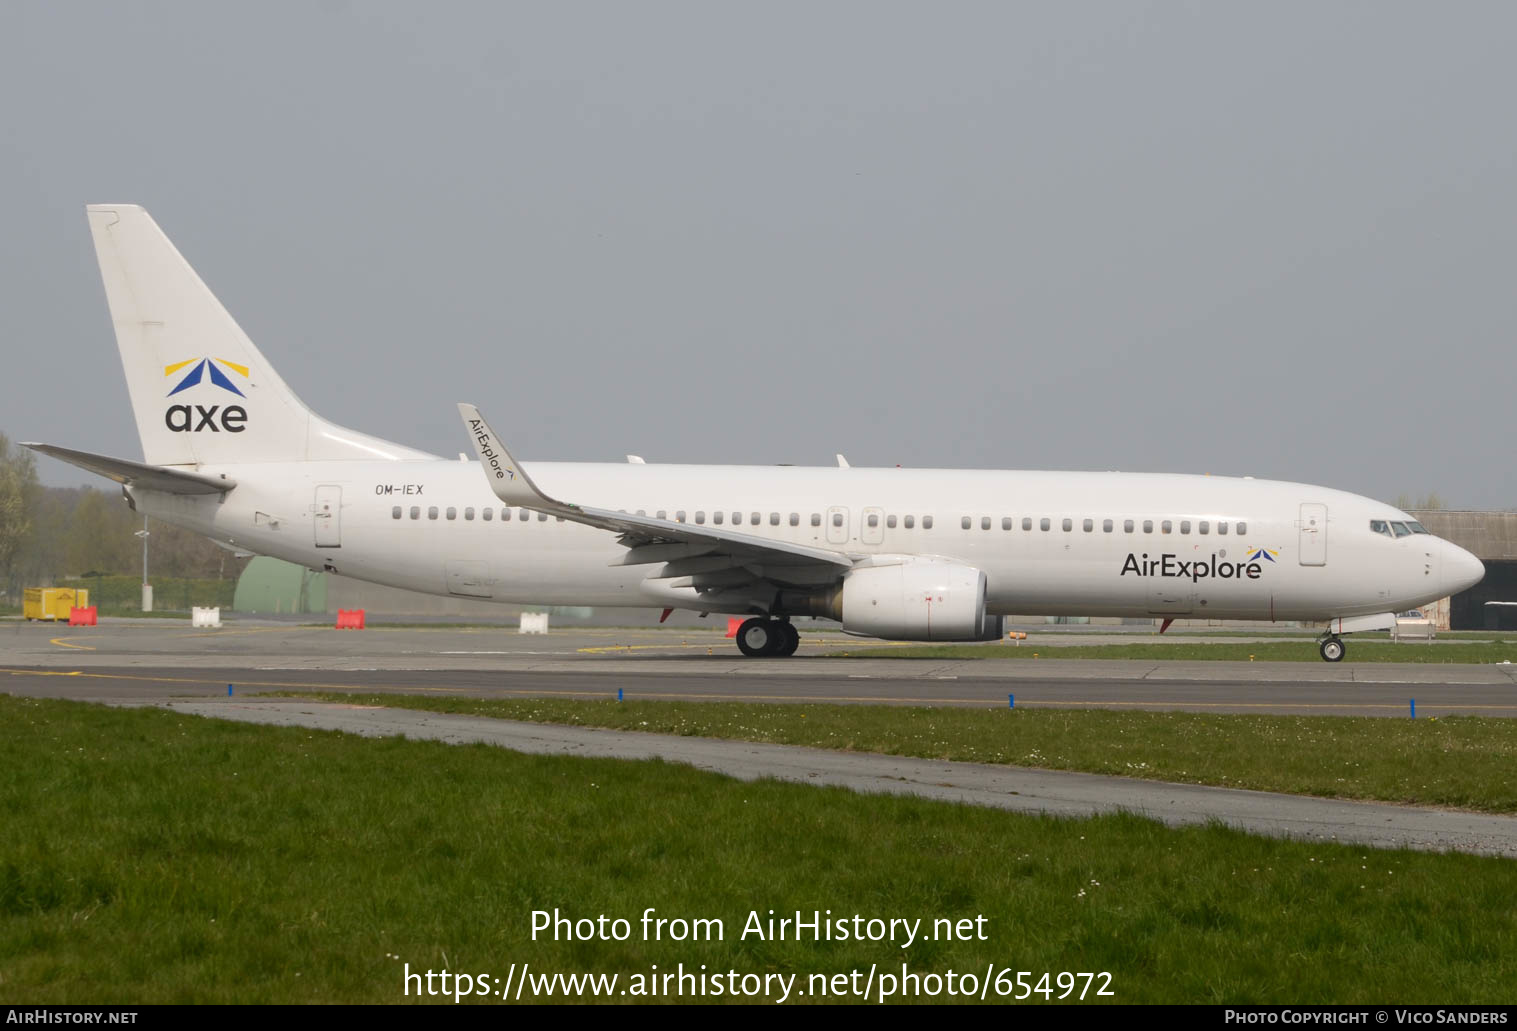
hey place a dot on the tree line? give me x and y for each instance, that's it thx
(53, 533)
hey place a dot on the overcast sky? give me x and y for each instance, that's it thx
(1276, 239)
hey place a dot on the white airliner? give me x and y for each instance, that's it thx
(229, 451)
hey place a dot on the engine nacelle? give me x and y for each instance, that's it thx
(918, 600)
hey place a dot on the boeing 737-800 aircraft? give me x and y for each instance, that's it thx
(230, 452)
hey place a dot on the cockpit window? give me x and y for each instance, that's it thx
(1402, 530)
(1380, 526)
(1417, 527)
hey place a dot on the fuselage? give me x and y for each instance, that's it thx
(1066, 543)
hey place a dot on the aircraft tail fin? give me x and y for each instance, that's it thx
(201, 391)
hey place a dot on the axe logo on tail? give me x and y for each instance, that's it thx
(182, 418)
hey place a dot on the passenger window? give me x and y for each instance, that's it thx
(874, 520)
(927, 522)
(795, 518)
(911, 521)
(1222, 527)
(1148, 526)
(716, 518)
(542, 517)
(1185, 526)
(679, 516)
(1127, 526)
(964, 523)
(642, 512)
(1088, 525)
(522, 515)
(415, 512)
(1027, 522)
(816, 519)
(469, 513)
(700, 518)
(1006, 523)
(1166, 527)
(1069, 524)
(395, 512)
(837, 519)
(432, 512)
(488, 515)
(1106, 526)
(1044, 524)
(1242, 528)
(985, 522)
(890, 521)
(737, 519)
(1204, 526)
(452, 512)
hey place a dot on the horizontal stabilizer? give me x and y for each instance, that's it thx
(135, 474)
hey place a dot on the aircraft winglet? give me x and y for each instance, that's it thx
(513, 486)
(508, 479)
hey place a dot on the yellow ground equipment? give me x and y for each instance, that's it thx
(53, 602)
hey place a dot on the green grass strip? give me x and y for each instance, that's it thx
(1221, 651)
(150, 857)
(1464, 762)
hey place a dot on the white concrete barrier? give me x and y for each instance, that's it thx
(200, 617)
(1414, 629)
(534, 623)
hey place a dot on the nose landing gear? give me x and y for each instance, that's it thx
(760, 637)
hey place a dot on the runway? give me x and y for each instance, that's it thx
(174, 666)
(149, 660)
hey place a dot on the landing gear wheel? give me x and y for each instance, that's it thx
(1332, 649)
(790, 640)
(757, 637)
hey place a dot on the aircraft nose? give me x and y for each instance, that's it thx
(1461, 570)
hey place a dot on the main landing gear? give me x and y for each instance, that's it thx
(1331, 647)
(760, 637)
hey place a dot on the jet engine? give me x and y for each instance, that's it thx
(917, 600)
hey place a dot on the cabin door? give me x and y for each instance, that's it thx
(1313, 534)
(328, 516)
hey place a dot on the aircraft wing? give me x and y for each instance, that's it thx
(135, 474)
(705, 555)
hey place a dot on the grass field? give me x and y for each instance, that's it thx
(1270, 630)
(1461, 762)
(1481, 651)
(153, 857)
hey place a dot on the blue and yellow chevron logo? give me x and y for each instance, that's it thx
(204, 366)
(1267, 554)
